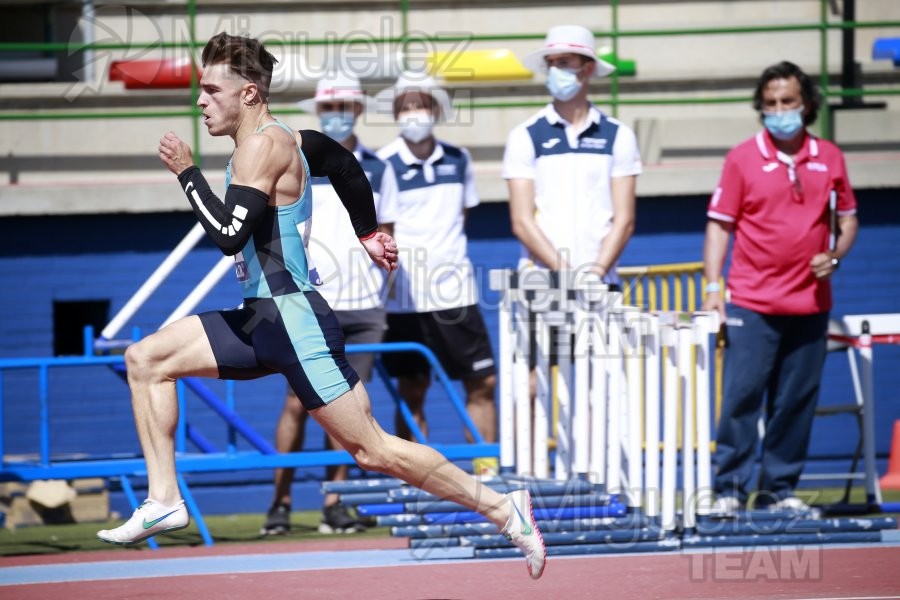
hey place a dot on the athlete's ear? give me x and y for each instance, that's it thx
(250, 94)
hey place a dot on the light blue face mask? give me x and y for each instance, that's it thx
(784, 125)
(337, 125)
(562, 83)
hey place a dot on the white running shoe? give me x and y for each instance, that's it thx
(522, 530)
(796, 507)
(150, 518)
(726, 507)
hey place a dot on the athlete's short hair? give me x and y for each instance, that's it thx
(812, 98)
(245, 56)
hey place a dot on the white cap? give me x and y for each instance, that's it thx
(417, 82)
(337, 86)
(565, 39)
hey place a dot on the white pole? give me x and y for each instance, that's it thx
(507, 383)
(581, 418)
(873, 490)
(153, 282)
(685, 347)
(542, 404)
(599, 379)
(522, 374)
(616, 383)
(634, 357)
(651, 418)
(563, 386)
(198, 293)
(704, 325)
(670, 425)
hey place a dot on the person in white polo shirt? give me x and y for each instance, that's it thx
(351, 284)
(434, 299)
(571, 169)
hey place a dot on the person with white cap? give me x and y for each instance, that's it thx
(433, 299)
(350, 283)
(571, 170)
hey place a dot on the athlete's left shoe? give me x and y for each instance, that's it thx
(150, 518)
(522, 530)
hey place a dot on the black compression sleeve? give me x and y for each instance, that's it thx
(327, 158)
(228, 223)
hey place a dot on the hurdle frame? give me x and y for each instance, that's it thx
(621, 372)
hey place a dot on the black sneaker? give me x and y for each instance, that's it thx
(278, 520)
(336, 519)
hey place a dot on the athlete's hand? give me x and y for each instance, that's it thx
(175, 154)
(382, 250)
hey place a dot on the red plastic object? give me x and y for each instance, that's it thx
(153, 74)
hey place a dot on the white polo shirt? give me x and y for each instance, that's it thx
(350, 280)
(434, 268)
(572, 171)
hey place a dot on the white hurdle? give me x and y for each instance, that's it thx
(612, 382)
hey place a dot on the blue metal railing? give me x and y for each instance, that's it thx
(227, 413)
(265, 457)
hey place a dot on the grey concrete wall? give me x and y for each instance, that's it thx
(110, 165)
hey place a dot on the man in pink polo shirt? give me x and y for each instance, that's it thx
(778, 193)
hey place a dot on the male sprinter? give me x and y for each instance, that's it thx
(284, 326)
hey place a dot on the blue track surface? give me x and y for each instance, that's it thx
(216, 565)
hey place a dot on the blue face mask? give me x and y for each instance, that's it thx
(562, 83)
(784, 125)
(337, 125)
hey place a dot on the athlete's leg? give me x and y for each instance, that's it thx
(359, 327)
(349, 419)
(154, 363)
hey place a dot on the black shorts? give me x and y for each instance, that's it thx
(362, 327)
(457, 336)
(297, 335)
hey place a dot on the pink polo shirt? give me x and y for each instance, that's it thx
(780, 224)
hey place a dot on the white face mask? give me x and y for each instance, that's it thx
(563, 84)
(415, 126)
(337, 125)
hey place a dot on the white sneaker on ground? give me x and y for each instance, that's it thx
(150, 518)
(522, 530)
(726, 507)
(796, 506)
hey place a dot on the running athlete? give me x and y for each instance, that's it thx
(283, 326)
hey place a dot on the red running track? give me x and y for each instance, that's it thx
(765, 573)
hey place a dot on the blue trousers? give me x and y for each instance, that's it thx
(773, 366)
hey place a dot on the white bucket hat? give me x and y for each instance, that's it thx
(416, 82)
(565, 39)
(336, 86)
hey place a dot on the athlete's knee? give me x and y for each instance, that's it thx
(373, 457)
(143, 361)
(139, 360)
